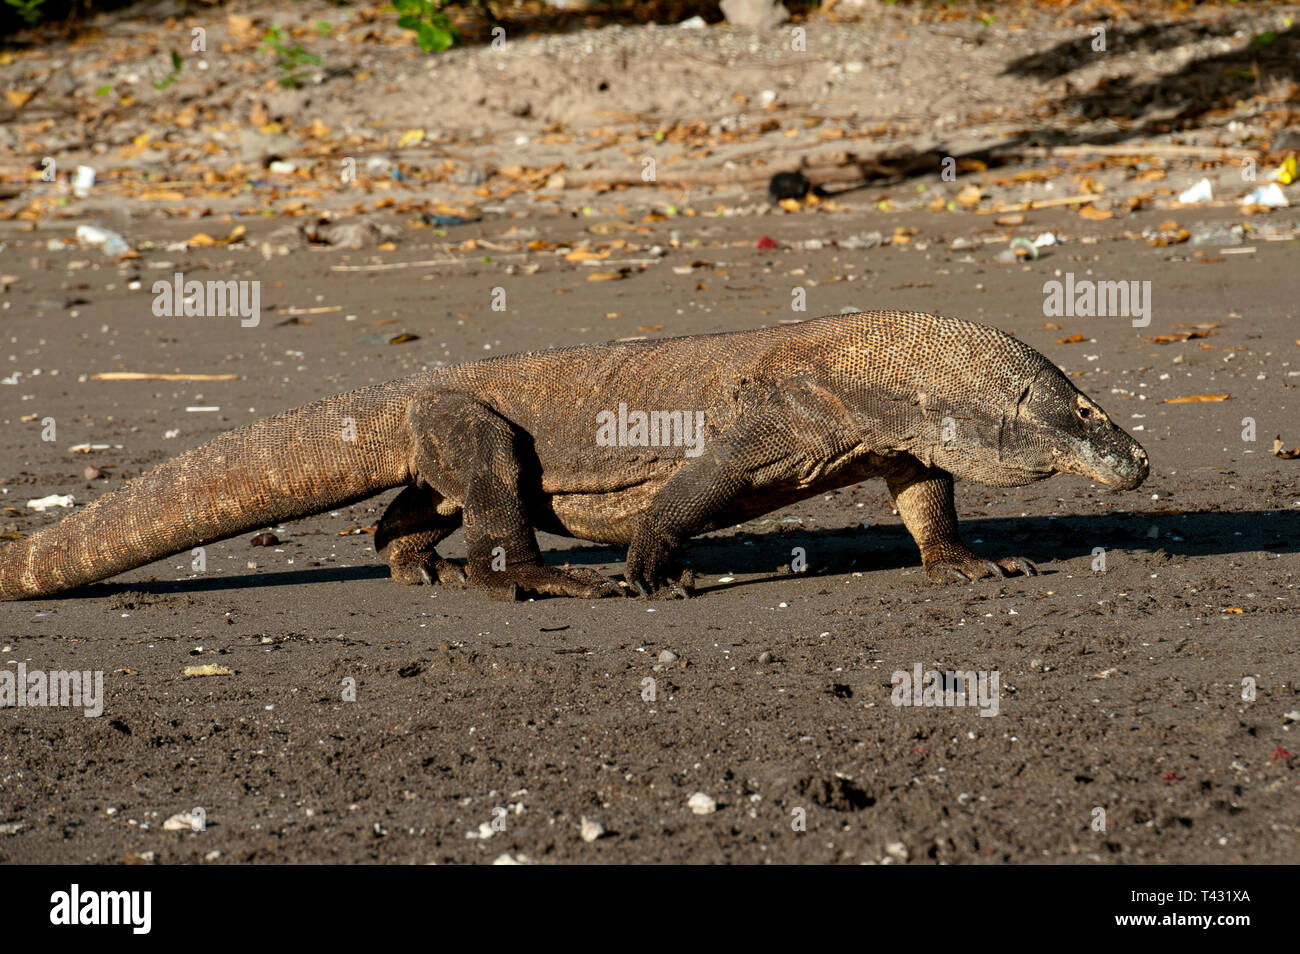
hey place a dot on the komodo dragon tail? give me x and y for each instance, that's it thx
(327, 454)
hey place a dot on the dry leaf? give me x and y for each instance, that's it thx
(1007, 220)
(586, 255)
(604, 276)
(1073, 339)
(241, 27)
(1092, 212)
(1279, 450)
(1179, 336)
(1197, 398)
(203, 240)
(1167, 238)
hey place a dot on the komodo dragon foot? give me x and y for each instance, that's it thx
(955, 562)
(653, 570)
(530, 581)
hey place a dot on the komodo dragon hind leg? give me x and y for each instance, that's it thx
(924, 499)
(468, 452)
(408, 535)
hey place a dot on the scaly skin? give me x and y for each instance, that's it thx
(507, 445)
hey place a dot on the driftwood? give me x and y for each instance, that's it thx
(1169, 151)
(844, 168)
(148, 376)
(847, 167)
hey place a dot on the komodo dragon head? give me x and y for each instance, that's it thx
(1051, 427)
(992, 409)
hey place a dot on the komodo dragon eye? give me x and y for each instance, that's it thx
(1086, 412)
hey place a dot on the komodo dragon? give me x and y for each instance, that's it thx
(510, 444)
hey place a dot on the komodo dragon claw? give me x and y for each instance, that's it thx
(961, 567)
(530, 581)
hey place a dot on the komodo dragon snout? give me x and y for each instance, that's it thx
(1080, 437)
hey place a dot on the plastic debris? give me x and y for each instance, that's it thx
(862, 240)
(1285, 173)
(83, 179)
(111, 242)
(41, 504)
(1021, 248)
(1201, 192)
(430, 218)
(1269, 196)
(787, 185)
(1213, 235)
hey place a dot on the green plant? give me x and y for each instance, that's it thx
(177, 62)
(29, 10)
(433, 28)
(289, 59)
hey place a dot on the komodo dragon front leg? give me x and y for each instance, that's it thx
(783, 442)
(467, 452)
(924, 498)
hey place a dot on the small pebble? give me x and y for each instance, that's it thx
(764, 658)
(668, 656)
(265, 539)
(182, 821)
(702, 804)
(591, 829)
(897, 850)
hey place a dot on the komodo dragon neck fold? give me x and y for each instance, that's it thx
(599, 442)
